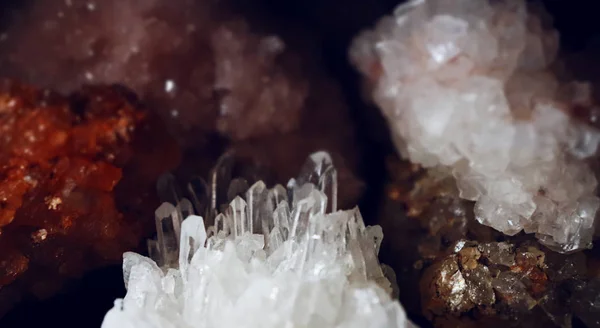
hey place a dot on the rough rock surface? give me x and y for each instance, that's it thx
(217, 78)
(76, 179)
(470, 275)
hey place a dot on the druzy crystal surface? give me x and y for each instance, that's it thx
(459, 273)
(220, 76)
(278, 257)
(76, 177)
(466, 87)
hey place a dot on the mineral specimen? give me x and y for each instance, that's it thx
(76, 177)
(470, 275)
(199, 66)
(218, 79)
(274, 258)
(467, 89)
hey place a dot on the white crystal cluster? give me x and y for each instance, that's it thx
(465, 86)
(275, 258)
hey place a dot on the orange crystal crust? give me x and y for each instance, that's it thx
(71, 195)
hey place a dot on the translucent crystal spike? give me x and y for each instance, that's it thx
(241, 222)
(154, 250)
(256, 197)
(372, 268)
(168, 189)
(185, 208)
(198, 190)
(356, 225)
(168, 227)
(193, 236)
(130, 260)
(328, 184)
(237, 187)
(320, 202)
(274, 197)
(375, 233)
(328, 230)
(300, 218)
(316, 164)
(302, 192)
(275, 240)
(290, 187)
(222, 224)
(220, 179)
(282, 219)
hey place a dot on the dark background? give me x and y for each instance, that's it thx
(332, 24)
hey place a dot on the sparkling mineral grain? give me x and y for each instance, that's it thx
(217, 78)
(467, 87)
(470, 275)
(76, 179)
(276, 257)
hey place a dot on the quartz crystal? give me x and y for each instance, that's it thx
(279, 257)
(466, 86)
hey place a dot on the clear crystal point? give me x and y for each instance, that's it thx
(168, 228)
(256, 196)
(193, 236)
(241, 222)
(314, 167)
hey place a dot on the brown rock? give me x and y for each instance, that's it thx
(217, 79)
(73, 193)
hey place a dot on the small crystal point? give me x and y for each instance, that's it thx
(168, 228)
(314, 167)
(154, 250)
(257, 207)
(222, 223)
(185, 208)
(130, 260)
(241, 222)
(193, 236)
(328, 184)
(300, 217)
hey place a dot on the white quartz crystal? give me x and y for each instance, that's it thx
(274, 258)
(466, 85)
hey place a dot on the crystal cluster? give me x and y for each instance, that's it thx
(459, 273)
(274, 258)
(466, 87)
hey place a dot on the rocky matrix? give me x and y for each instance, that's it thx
(218, 76)
(466, 88)
(273, 258)
(76, 176)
